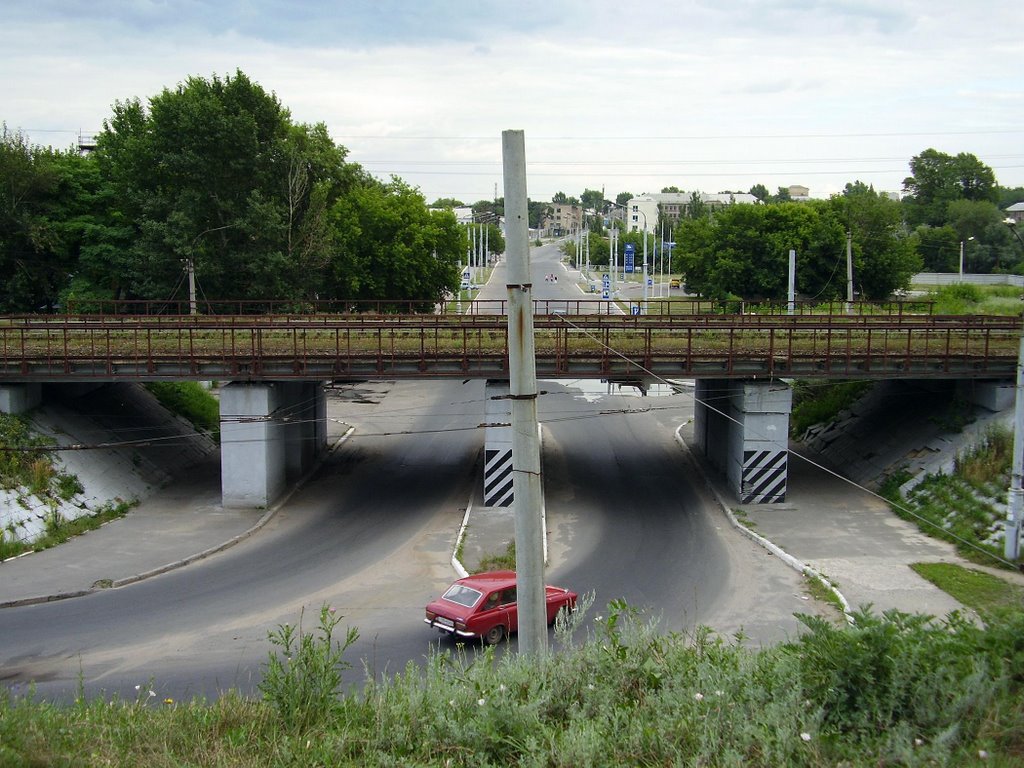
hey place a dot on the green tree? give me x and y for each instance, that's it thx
(215, 171)
(938, 248)
(44, 198)
(592, 199)
(447, 202)
(389, 245)
(884, 258)
(938, 179)
(760, 191)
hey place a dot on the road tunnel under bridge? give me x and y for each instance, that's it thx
(743, 429)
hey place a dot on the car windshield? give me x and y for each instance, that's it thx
(457, 593)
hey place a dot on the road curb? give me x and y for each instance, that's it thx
(115, 583)
(767, 544)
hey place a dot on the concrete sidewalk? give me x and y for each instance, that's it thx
(173, 527)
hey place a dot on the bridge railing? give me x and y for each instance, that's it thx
(236, 347)
(584, 306)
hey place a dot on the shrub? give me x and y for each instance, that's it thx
(301, 683)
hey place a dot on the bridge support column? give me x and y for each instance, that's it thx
(271, 432)
(743, 429)
(498, 446)
(18, 398)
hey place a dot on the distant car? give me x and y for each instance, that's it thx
(674, 282)
(484, 605)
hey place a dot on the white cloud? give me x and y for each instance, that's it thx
(701, 94)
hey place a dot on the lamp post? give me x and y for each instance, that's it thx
(190, 266)
(962, 257)
(1012, 224)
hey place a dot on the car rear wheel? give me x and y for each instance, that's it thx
(494, 635)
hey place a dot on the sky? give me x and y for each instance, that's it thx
(703, 95)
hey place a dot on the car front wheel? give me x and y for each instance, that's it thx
(494, 635)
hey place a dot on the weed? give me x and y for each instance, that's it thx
(499, 562)
(301, 682)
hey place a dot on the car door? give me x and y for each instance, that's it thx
(507, 603)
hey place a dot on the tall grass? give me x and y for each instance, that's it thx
(892, 690)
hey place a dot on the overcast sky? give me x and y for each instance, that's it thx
(627, 96)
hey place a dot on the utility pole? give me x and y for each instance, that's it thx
(792, 282)
(523, 392)
(1015, 502)
(190, 267)
(849, 272)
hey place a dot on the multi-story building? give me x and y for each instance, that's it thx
(562, 219)
(673, 206)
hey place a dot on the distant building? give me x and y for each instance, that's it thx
(86, 143)
(562, 219)
(799, 192)
(674, 205)
(1015, 212)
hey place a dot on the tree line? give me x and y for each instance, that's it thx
(951, 205)
(214, 172)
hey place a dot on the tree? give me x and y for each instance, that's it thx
(559, 197)
(884, 258)
(44, 199)
(760, 191)
(624, 197)
(389, 245)
(743, 250)
(592, 199)
(447, 202)
(938, 179)
(696, 208)
(671, 189)
(215, 172)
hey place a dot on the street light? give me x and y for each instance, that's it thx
(962, 257)
(1012, 224)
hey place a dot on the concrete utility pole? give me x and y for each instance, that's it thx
(849, 272)
(1015, 502)
(792, 282)
(533, 635)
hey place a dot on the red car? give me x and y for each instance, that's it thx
(484, 605)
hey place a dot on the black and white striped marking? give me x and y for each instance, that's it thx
(764, 476)
(497, 478)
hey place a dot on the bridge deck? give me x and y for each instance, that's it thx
(336, 346)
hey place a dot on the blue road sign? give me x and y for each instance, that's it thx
(629, 254)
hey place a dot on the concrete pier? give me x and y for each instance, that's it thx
(271, 432)
(743, 429)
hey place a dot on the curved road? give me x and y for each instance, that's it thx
(371, 535)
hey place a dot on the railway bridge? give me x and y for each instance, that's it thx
(277, 358)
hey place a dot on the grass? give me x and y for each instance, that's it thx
(985, 593)
(499, 562)
(817, 589)
(966, 508)
(817, 402)
(969, 299)
(59, 529)
(894, 689)
(192, 401)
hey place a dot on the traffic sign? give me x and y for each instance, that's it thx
(635, 309)
(604, 294)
